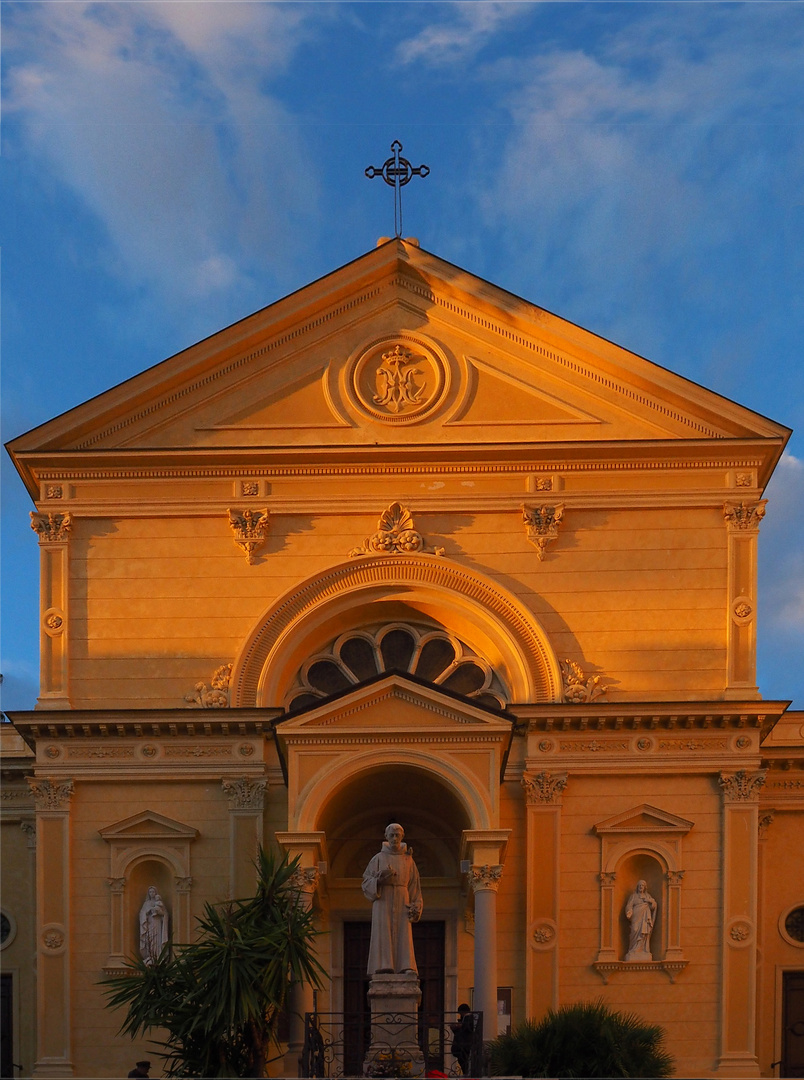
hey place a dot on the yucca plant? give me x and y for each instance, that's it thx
(219, 998)
(585, 1039)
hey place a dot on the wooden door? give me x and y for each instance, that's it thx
(6, 1026)
(428, 944)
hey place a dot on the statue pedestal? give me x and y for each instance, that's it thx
(394, 1003)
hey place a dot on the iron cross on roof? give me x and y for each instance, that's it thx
(397, 171)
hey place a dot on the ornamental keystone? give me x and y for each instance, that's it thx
(396, 535)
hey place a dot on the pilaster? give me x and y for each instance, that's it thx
(246, 809)
(53, 531)
(738, 1053)
(742, 523)
(543, 792)
(53, 1022)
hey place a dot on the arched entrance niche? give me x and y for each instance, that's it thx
(355, 816)
(361, 777)
(397, 587)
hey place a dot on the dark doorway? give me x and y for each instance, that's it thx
(792, 1024)
(428, 944)
(6, 1026)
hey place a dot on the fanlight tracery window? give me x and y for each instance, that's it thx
(432, 655)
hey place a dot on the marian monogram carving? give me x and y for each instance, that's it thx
(542, 525)
(250, 528)
(398, 380)
(397, 385)
(395, 535)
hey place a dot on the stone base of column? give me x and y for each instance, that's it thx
(394, 1003)
(737, 1065)
(53, 1069)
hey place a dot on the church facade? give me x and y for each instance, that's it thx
(405, 547)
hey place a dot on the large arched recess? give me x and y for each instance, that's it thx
(364, 590)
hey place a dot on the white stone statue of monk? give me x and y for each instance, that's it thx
(391, 882)
(640, 910)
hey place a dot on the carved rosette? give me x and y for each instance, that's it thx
(577, 688)
(245, 794)
(542, 525)
(215, 696)
(395, 535)
(304, 879)
(51, 794)
(742, 786)
(544, 787)
(51, 528)
(250, 528)
(744, 515)
(485, 878)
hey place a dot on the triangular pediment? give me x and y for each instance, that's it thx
(644, 819)
(393, 703)
(148, 825)
(396, 348)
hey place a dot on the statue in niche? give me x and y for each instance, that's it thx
(154, 930)
(391, 882)
(640, 910)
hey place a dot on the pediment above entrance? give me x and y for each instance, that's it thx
(148, 825)
(394, 703)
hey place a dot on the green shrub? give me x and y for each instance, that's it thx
(586, 1039)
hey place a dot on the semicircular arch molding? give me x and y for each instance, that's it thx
(654, 848)
(462, 600)
(312, 801)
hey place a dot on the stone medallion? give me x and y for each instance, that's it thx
(398, 380)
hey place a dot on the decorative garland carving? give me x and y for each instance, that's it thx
(245, 794)
(485, 877)
(742, 786)
(215, 696)
(542, 525)
(396, 535)
(51, 794)
(744, 515)
(544, 787)
(51, 528)
(577, 687)
(250, 528)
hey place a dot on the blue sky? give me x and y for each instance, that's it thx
(169, 167)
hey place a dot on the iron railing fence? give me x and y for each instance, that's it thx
(342, 1044)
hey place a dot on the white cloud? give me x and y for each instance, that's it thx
(467, 27)
(156, 114)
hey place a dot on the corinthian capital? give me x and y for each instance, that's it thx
(485, 877)
(544, 787)
(51, 794)
(744, 515)
(742, 786)
(245, 794)
(304, 879)
(51, 528)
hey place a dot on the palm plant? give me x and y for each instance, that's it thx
(219, 998)
(585, 1039)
